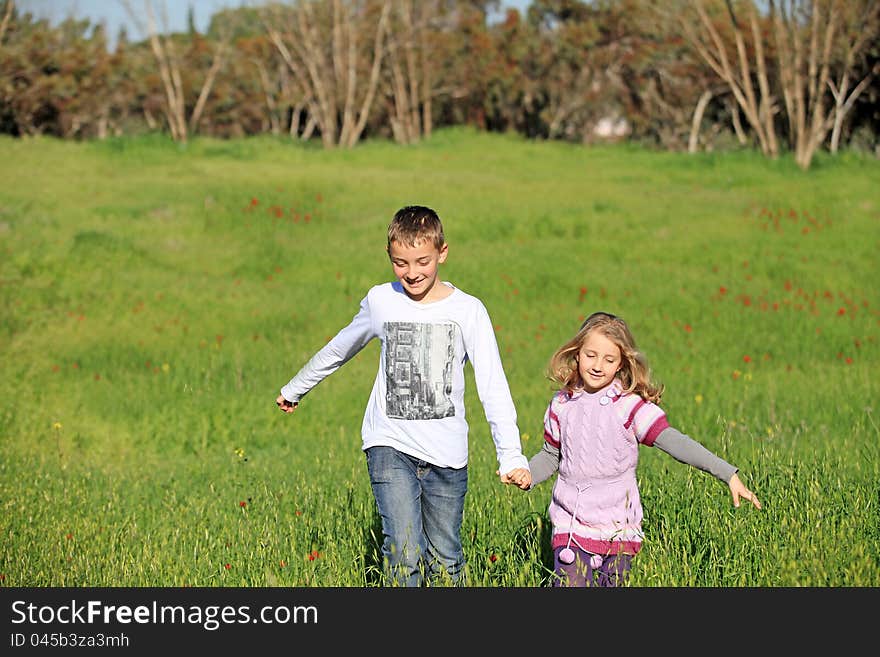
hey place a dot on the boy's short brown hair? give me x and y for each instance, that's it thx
(414, 224)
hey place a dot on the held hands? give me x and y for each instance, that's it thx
(288, 406)
(518, 476)
(738, 490)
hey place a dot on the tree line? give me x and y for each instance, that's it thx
(777, 75)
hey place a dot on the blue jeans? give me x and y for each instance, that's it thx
(421, 507)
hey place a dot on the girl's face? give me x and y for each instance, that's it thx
(598, 360)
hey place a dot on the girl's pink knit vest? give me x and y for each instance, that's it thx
(597, 475)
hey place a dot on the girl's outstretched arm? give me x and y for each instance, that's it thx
(687, 450)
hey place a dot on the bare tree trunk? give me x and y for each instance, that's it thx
(103, 120)
(308, 74)
(819, 76)
(767, 108)
(427, 85)
(737, 124)
(7, 15)
(867, 24)
(174, 112)
(412, 72)
(400, 120)
(697, 120)
(216, 64)
(378, 51)
(150, 119)
(817, 44)
(409, 61)
(320, 73)
(346, 68)
(311, 124)
(710, 45)
(323, 54)
(169, 73)
(271, 105)
(295, 114)
(837, 26)
(843, 103)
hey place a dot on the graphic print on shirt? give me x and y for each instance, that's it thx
(418, 370)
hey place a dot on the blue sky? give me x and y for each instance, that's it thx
(113, 12)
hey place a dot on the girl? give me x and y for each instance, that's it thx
(605, 406)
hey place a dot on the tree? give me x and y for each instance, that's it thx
(54, 80)
(809, 63)
(735, 50)
(337, 73)
(819, 45)
(8, 8)
(410, 46)
(164, 48)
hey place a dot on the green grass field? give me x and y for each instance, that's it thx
(154, 299)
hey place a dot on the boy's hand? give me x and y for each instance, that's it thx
(286, 406)
(518, 476)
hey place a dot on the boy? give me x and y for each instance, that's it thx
(414, 430)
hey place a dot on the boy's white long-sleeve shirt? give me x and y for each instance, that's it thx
(417, 401)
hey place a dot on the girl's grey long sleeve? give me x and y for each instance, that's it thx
(672, 441)
(687, 450)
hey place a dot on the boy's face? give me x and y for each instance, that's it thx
(416, 268)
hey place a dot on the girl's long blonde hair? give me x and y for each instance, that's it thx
(634, 374)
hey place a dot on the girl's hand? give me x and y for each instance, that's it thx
(738, 490)
(518, 476)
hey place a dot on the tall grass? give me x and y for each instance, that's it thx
(153, 299)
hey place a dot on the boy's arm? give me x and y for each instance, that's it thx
(342, 348)
(494, 391)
